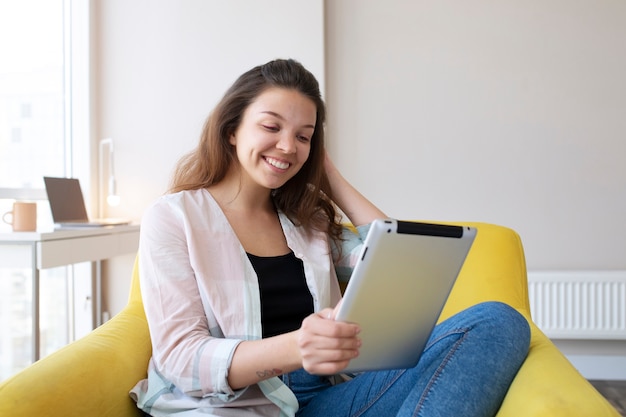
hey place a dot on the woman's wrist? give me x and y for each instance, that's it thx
(257, 360)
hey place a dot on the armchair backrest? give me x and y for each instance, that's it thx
(495, 270)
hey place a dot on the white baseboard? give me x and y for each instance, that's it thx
(595, 367)
(596, 359)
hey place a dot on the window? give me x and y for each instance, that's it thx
(32, 95)
(43, 105)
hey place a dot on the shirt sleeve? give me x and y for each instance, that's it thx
(347, 251)
(184, 350)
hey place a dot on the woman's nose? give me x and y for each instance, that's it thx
(287, 143)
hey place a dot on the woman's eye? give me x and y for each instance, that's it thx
(271, 128)
(304, 138)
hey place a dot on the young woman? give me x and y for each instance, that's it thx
(238, 269)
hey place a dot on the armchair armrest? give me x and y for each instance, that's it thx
(90, 376)
(547, 384)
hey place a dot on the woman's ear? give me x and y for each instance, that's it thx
(232, 139)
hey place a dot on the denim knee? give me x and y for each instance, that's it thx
(508, 326)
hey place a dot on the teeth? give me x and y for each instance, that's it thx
(276, 163)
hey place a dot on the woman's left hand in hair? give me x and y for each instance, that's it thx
(353, 204)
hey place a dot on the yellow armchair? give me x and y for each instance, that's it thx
(92, 376)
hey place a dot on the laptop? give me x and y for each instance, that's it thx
(68, 205)
(399, 287)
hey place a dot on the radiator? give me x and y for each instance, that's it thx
(579, 304)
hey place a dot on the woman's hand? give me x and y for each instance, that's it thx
(327, 346)
(353, 204)
(321, 346)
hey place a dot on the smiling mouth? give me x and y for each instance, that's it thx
(276, 163)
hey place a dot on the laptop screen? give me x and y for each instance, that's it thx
(66, 200)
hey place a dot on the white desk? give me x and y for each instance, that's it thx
(60, 247)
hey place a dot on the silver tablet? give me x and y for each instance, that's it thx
(398, 288)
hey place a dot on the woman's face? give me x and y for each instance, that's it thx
(273, 140)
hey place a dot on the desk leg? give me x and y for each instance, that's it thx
(36, 348)
(98, 297)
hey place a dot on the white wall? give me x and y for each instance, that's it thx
(161, 65)
(510, 113)
(505, 112)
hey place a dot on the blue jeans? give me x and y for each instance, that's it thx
(465, 370)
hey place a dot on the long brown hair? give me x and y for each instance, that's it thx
(306, 198)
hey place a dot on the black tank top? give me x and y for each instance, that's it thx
(285, 296)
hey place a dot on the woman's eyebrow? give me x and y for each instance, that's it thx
(278, 116)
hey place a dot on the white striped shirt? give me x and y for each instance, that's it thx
(201, 297)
